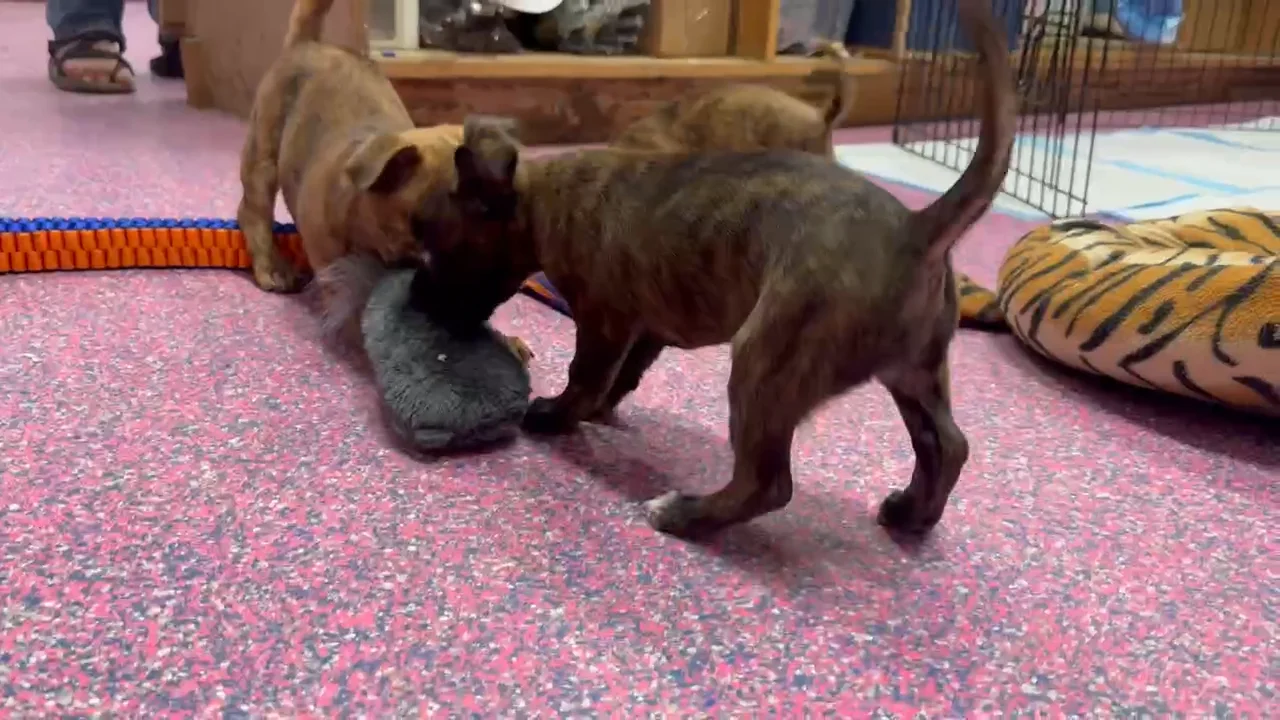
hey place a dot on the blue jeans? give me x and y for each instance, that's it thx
(69, 18)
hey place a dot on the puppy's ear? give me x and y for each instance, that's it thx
(485, 170)
(477, 127)
(383, 164)
(486, 163)
(489, 152)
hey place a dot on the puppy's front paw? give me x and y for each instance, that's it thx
(902, 513)
(544, 417)
(520, 348)
(679, 515)
(277, 277)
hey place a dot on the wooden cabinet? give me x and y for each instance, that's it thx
(228, 45)
(560, 98)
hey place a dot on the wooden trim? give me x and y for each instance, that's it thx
(172, 18)
(689, 28)
(237, 40)
(1261, 36)
(1125, 55)
(564, 110)
(436, 65)
(577, 99)
(757, 29)
(357, 24)
(1212, 25)
(1134, 77)
(901, 25)
(200, 94)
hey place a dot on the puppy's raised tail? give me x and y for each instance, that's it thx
(946, 219)
(846, 90)
(307, 21)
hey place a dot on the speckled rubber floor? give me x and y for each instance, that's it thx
(201, 516)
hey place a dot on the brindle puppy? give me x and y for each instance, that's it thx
(746, 117)
(329, 132)
(819, 278)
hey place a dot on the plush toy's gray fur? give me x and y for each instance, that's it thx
(442, 393)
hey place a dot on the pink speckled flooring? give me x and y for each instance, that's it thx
(200, 515)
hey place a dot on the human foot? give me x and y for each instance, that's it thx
(90, 63)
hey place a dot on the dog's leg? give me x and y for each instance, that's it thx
(777, 379)
(256, 215)
(923, 396)
(598, 355)
(644, 352)
(761, 439)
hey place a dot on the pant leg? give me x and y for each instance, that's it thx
(68, 18)
(153, 8)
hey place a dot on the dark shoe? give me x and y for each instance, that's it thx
(168, 64)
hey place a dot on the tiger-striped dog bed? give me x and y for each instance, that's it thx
(1188, 305)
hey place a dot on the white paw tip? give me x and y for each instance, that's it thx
(657, 506)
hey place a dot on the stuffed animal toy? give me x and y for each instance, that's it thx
(443, 392)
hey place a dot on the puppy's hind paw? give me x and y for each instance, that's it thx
(678, 515)
(279, 279)
(902, 513)
(544, 417)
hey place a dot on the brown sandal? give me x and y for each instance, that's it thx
(115, 78)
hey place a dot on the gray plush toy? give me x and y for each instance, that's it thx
(443, 392)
